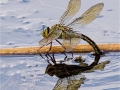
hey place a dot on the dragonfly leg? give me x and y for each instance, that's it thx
(52, 58)
(40, 48)
(41, 56)
(40, 53)
(64, 51)
(43, 46)
(50, 47)
(47, 54)
(72, 54)
(44, 58)
(49, 62)
(47, 58)
(65, 55)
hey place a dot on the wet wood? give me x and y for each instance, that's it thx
(84, 48)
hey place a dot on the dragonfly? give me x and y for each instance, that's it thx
(67, 31)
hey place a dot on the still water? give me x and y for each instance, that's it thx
(28, 73)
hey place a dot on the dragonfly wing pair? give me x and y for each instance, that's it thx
(70, 38)
(87, 17)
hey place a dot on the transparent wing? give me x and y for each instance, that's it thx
(54, 34)
(71, 10)
(86, 17)
(61, 84)
(70, 40)
(70, 83)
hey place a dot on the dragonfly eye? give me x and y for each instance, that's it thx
(48, 30)
(43, 33)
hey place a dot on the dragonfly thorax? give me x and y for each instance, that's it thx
(60, 27)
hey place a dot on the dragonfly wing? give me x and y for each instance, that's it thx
(72, 9)
(70, 40)
(70, 83)
(54, 34)
(87, 17)
(61, 84)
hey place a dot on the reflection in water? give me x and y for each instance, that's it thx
(70, 77)
(70, 83)
(22, 74)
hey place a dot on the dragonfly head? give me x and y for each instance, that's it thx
(50, 70)
(45, 32)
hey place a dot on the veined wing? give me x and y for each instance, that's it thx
(54, 34)
(70, 83)
(70, 40)
(71, 10)
(87, 17)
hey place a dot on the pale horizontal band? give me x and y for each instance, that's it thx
(83, 48)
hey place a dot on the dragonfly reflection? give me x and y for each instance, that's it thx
(70, 77)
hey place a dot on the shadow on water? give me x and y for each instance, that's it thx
(70, 76)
